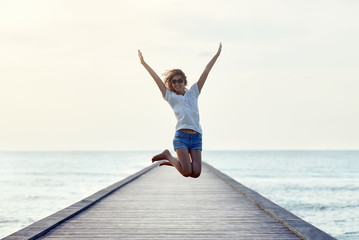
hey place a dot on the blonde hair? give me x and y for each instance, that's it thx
(170, 74)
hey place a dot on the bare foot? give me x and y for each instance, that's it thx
(165, 155)
(166, 163)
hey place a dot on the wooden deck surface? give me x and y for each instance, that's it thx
(158, 203)
(161, 204)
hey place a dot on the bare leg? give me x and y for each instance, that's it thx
(196, 156)
(167, 163)
(162, 156)
(182, 163)
(185, 160)
(166, 155)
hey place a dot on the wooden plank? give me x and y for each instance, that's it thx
(297, 225)
(41, 227)
(162, 204)
(159, 203)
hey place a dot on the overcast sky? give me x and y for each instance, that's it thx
(70, 78)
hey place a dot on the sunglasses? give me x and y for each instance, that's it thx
(174, 81)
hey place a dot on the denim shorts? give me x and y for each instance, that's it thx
(191, 141)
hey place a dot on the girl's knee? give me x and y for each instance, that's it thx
(196, 170)
(196, 174)
(187, 174)
(186, 171)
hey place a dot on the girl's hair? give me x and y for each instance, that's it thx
(170, 74)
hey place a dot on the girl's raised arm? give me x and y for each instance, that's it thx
(153, 74)
(208, 68)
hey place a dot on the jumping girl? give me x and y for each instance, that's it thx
(188, 138)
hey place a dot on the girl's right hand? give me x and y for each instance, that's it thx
(141, 57)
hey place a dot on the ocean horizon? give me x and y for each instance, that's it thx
(320, 186)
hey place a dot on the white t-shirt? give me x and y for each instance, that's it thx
(185, 108)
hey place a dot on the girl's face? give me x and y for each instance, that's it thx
(178, 84)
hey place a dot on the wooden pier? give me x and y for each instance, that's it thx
(159, 203)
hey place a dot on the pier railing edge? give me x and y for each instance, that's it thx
(298, 226)
(43, 226)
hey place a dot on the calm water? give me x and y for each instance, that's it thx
(321, 187)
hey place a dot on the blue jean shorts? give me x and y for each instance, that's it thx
(191, 141)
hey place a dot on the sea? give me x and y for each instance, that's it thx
(321, 187)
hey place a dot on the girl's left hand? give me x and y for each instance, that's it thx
(219, 49)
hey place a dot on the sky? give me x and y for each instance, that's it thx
(70, 77)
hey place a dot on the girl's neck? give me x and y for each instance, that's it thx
(182, 92)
